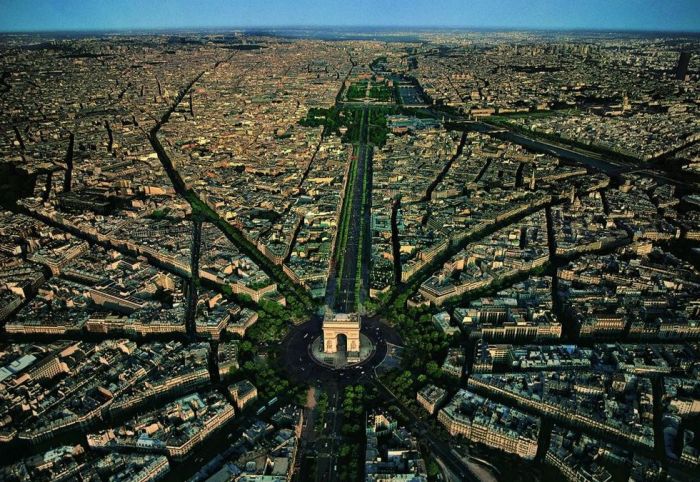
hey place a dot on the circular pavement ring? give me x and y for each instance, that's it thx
(301, 366)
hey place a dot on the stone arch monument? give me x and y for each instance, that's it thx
(335, 324)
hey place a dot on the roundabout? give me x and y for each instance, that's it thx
(304, 363)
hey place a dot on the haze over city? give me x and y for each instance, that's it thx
(67, 15)
(350, 241)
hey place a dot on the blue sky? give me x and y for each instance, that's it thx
(31, 15)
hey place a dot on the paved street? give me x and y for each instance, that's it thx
(419, 427)
(346, 301)
(301, 367)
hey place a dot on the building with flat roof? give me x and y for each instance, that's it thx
(431, 397)
(243, 393)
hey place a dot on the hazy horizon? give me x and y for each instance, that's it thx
(253, 29)
(40, 16)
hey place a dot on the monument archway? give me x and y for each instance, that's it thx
(336, 325)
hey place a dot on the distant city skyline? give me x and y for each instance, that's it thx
(100, 15)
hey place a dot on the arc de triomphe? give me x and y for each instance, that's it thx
(335, 324)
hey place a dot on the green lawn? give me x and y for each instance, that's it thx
(356, 90)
